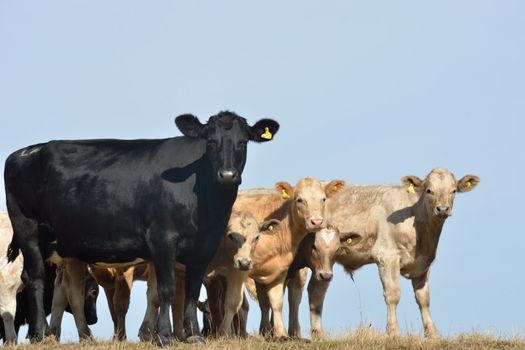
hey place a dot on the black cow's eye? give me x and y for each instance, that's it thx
(212, 143)
(242, 144)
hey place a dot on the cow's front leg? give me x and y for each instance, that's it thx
(295, 293)
(422, 293)
(194, 276)
(275, 296)
(389, 273)
(233, 300)
(265, 328)
(164, 262)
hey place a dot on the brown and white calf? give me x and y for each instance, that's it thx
(317, 252)
(10, 279)
(301, 210)
(400, 228)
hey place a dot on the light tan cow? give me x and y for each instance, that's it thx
(400, 228)
(300, 210)
(10, 280)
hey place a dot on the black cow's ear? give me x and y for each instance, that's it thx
(190, 126)
(264, 130)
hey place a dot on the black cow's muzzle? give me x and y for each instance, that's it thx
(229, 177)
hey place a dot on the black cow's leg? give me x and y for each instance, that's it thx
(194, 277)
(164, 261)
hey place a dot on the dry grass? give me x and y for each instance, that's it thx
(360, 339)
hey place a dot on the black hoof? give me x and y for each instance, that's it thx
(195, 339)
(283, 338)
(163, 341)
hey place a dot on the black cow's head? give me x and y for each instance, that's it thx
(227, 135)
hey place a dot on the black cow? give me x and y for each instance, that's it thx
(119, 201)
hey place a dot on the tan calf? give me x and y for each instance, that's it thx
(400, 228)
(300, 210)
(233, 260)
(10, 280)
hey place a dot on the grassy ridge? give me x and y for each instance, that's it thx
(360, 339)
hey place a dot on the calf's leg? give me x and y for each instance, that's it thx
(276, 295)
(265, 327)
(147, 328)
(295, 292)
(389, 273)
(422, 293)
(121, 298)
(316, 294)
(233, 300)
(75, 278)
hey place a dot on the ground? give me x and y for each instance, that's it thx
(359, 339)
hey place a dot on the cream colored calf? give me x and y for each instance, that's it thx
(400, 228)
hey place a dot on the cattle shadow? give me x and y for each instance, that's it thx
(401, 215)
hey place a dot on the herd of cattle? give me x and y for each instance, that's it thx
(107, 212)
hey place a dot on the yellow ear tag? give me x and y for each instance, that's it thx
(411, 189)
(349, 240)
(267, 135)
(469, 185)
(270, 228)
(285, 194)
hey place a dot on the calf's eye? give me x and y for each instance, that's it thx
(429, 191)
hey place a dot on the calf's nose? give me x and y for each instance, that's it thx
(317, 221)
(443, 210)
(244, 264)
(326, 276)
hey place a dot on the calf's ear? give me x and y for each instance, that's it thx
(413, 184)
(190, 126)
(270, 226)
(333, 187)
(350, 238)
(285, 189)
(467, 183)
(264, 130)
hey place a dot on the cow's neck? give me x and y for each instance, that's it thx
(298, 233)
(428, 230)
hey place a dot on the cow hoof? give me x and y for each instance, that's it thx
(163, 341)
(195, 339)
(284, 338)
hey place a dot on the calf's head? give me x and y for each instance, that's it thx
(242, 236)
(227, 136)
(90, 300)
(309, 201)
(439, 189)
(324, 245)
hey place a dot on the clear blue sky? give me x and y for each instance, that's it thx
(366, 91)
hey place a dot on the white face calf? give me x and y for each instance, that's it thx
(439, 190)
